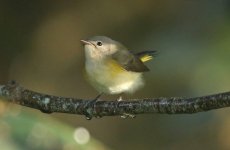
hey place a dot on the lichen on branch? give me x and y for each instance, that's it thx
(14, 93)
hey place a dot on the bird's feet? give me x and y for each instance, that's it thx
(119, 98)
(89, 108)
(126, 115)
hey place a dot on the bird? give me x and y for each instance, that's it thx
(111, 68)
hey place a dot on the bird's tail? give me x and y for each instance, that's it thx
(146, 55)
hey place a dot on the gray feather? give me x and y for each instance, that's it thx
(129, 61)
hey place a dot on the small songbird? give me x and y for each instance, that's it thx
(111, 68)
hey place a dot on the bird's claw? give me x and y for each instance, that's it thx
(126, 115)
(89, 107)
(119, 98)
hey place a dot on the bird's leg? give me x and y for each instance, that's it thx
(97, 97)
(92, 102)
(89, 106)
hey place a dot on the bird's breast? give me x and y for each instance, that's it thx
(109, 77)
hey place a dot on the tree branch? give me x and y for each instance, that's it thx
(14, 93)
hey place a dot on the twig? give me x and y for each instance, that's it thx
(13, 92)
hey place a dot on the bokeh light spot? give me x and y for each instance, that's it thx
(81, 135)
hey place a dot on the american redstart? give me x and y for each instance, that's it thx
(111, 68)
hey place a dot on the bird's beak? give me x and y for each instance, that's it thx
(84, 42)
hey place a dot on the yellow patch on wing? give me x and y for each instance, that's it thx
(115, 68)
(113, 65)
(145, 58)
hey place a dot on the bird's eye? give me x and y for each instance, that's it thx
(99, 43)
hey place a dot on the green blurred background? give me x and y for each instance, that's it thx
(40, 48)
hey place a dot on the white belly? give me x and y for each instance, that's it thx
(105, 80)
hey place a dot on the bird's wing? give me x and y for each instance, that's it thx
(146, 55)
(129, 61)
